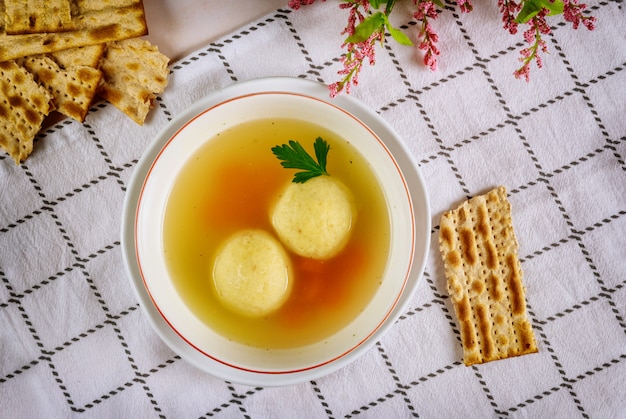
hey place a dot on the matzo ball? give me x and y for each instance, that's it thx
(314, 219)
(252, 273)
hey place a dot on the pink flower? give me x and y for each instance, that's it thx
(537, 27)
(334, 89)
(426, 10)
(465, 5)
(357, 53)
(355, 16)
(523, 71)
(353, 62)
(429, 39)
(573, 12)
(295, 4)
(509, 10)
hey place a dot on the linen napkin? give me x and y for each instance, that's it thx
(74, 341)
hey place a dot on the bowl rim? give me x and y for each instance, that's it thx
(402, 158)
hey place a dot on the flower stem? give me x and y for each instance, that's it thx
(389, 7)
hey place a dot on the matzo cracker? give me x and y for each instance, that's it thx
(73, 89)
(23, 106)
(134, 73)
(37, 16)
(95, 22)
(484, 279)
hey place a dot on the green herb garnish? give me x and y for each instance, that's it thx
(294, 156)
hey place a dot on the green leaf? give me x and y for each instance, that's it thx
(376, 3)
(294, 156)
(321, 148)
(399, 36)
(439, 4)
(532, 7)
(366, 28)
(556, 7)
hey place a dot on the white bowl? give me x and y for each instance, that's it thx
(145, 203)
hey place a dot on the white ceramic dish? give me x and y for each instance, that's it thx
(147, 196)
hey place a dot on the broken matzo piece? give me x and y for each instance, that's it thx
(37, 16)
(23, 106)
(95, 22)
(484, 279)
(134, 74)
(73, 88)
(89, 56)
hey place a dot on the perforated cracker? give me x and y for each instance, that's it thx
(73, 89)
(484, 279)
(134, 73)
(23, 106)
(37, 16)
(95, 22)
(89, 56)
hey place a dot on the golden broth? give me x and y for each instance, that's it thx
(229, 185)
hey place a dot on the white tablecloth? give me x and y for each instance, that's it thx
(74, 341)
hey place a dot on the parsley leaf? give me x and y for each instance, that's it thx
(294, 156)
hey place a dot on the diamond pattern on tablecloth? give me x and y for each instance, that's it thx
(338, 389)
(394, 85)
(575, 137)
(556, 399)
(23, 267)
(415, 132)
(434, 276)
(538, 223)
(423, 297)
(489, 47)
(136, 395)
(76, 309)
(618, 296)
(188, 90)
(303, 396)
(590, 62)
(543, 278)
(528, 373)
(96, 208)
(420, 343)
(124, 173)
(482, 163)
(273, 31)
(459, 96)
(583, 348)
(319, 31)
(107, 373)
(606, 243)
(19, 196)
(455, 60)
(602, 177)
(76, 161)
(594, 389)
(133, 139)
(26, 351)
(463, 392)
(607, 97)
(113, 286)
(37, 380)
(396, 406)
(203, 394)
(147, 349)
(441, 172)
(546, 85)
